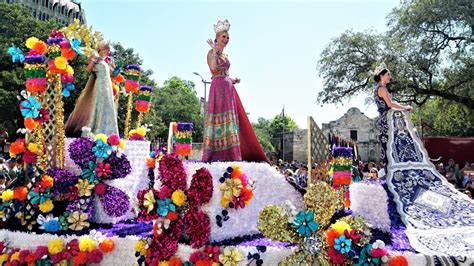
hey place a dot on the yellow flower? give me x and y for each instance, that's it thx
(55, 246)
(231, 187)
(141, 131)
(122, 144)
(78, 221)
(34, 148)
(7, 195)
(149, 201)
(225, 201)
(341, 226)
(60, 63)
(230, 257)
(140, 247)
(15, 256)
(102, 137)
(3, 258)
(30, 42)
(84, 187)
(46, 206)
(131, 132)
(178, 197)
(70, 70)
(164, 263)
(86, 244)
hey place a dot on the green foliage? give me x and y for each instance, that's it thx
(16, 25)
(280, 124)
(428, 48)
(439, 117)
(176, 101)
(262, 130)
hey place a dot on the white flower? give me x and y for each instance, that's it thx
(161, 224)
(384, 259)
(97, 236)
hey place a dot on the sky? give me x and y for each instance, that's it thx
(274, 45)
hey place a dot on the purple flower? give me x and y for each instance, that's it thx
(80, 151)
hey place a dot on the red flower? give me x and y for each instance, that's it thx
(80, 258)
(172, 216)
(72, 193)
(398, 260)
(212, 253)
(43, 116)
(72, 248)
(95, 256)
(353, 235)
(114, 140)
(41, 251)
(100, 189)
(246, 194)
(196, 256)
(23, 255)
(335, 256)
(103, 170)
(29, 157)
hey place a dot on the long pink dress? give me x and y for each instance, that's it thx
(228, 134)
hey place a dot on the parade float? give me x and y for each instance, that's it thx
(104, 200)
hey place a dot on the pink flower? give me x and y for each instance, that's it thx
(103, 170)
(165, 192)
(114, 140)
(100, 189)
(198, 255)
(29, 157)
(212, 253)
(353, 236)
(43, 116)
(243, 178)
(378, 252)
(41, 251)
(23, 254)
(72, 248)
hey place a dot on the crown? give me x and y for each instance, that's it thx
(221, 26)
(380, 68)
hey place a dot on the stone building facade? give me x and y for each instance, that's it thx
(62, 11)
(355, 125)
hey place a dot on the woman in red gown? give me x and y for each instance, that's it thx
(228, 134)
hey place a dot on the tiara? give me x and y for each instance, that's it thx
(380, 68)
(221, 26)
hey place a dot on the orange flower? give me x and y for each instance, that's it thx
(150, 162)
(172, 216)
(330, 236)
(18, 147)
(118, 79)
(40, 47)
(107, 245)
(47, 181)
(30, 123)
(398, 260)
(68, 53)
(175, 261)
(80, 258)
(236, 173)
(20, 193)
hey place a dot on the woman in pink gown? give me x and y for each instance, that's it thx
(228, 134)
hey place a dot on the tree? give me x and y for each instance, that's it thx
(280, 124)
(16, 25)
(176, 101)
(262, 130)
(428, 47)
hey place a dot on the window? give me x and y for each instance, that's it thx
(354, 134)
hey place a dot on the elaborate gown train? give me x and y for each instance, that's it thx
(439, 219)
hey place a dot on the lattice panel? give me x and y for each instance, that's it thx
(318, 144)
(50, 128)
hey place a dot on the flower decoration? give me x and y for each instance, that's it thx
(342, 244)
(138, 133)
(30, 107)
(184, 138)
(142, 105)
(230, 257)
(78, 221)
(102, 149)
(305, 224)
(16, 54)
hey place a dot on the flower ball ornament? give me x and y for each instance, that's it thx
(132, 76)
(34, 68)
(142, 104)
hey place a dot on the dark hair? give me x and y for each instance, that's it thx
(377, 77)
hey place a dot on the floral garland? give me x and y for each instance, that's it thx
(176, 209)
(236, 192)
(311, 228)
(77, 251)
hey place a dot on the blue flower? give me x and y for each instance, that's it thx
(101, 149)
(117, 69)
(16, 53)
(305, 223)
(75, 45)
(89, 172)
(165, 206)
(366, 259)
(67, 88)
(342, 244)
(52, 226)
(30, 107)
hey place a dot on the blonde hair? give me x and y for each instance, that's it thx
(103, 45)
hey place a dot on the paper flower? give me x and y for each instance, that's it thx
(305, 224)
(30, 107)
(39, 197)
(149, 201)
(230, 257)
(178, 197)
(78, 221)
(67, 88)
(342, 244)
(16, 54)
(101, 149)
(55, 246)
(86, 244)
(48, 223)
(30, 42)
(89, 172)
(84, 187)
(103, 169)
(46, 206)
(366, 259)
(231, 187)
(75, 45)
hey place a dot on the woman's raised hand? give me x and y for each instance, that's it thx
(212, 44)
